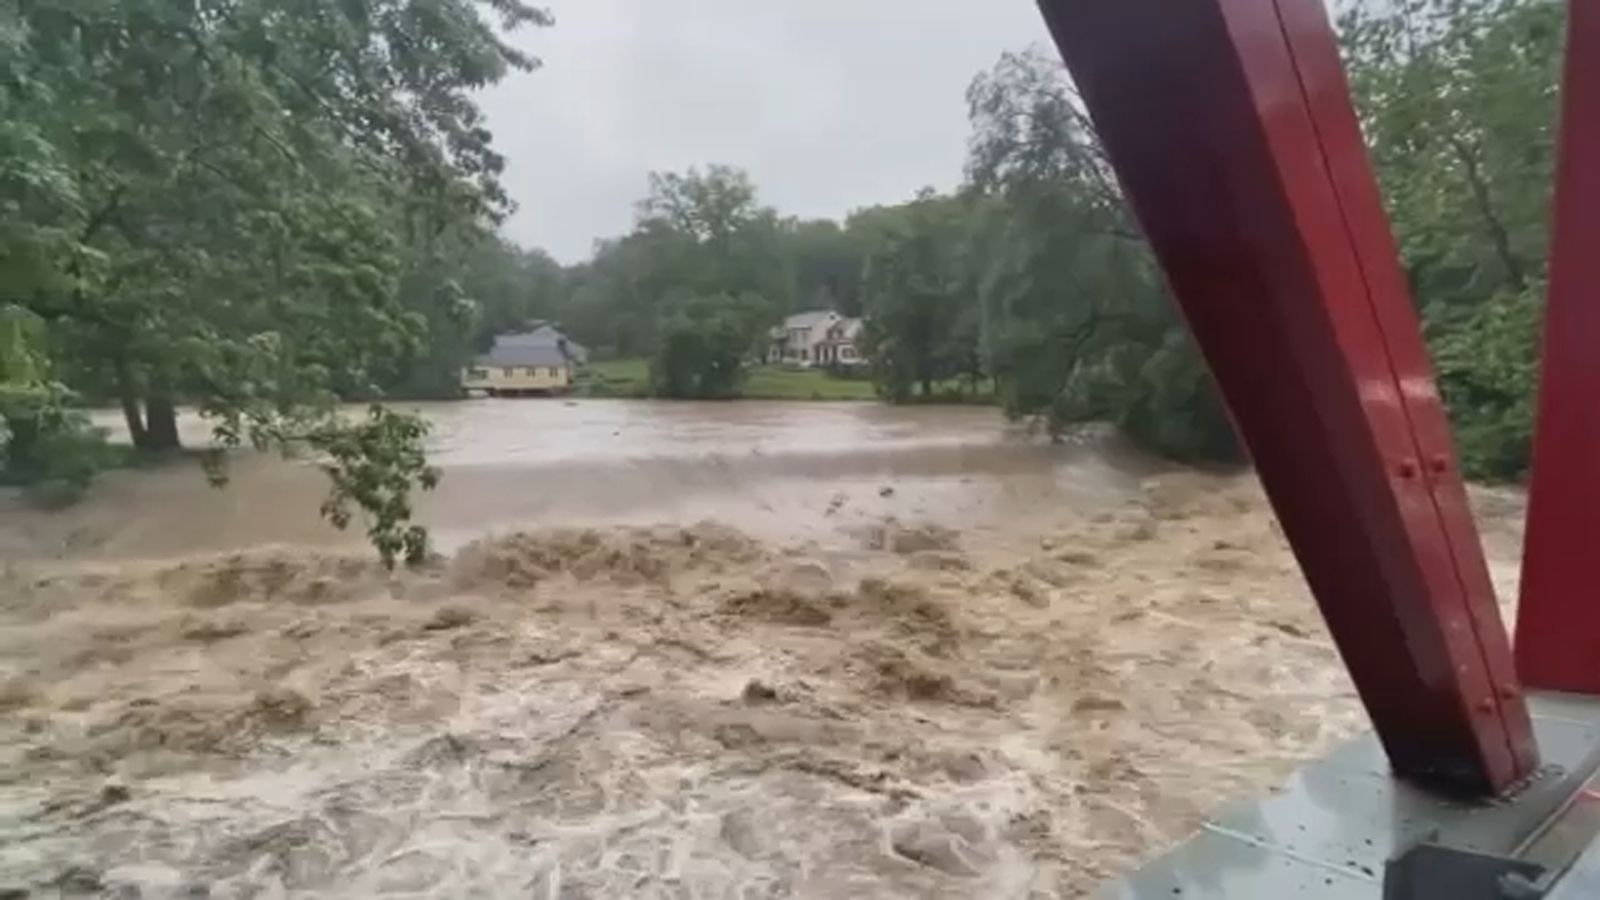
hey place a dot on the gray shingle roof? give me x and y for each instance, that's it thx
(542, 336)
(520, 355)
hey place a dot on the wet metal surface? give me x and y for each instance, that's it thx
(1329, 832)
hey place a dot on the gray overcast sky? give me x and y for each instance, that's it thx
(830, 104)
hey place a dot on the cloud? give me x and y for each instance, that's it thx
(831, 104)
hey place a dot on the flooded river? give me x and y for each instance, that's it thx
(780, 470)
(669, 651)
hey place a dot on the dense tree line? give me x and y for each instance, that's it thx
(705, 272)
(263, 207)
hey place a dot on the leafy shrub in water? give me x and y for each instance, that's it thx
(52, 450)
(43, 442)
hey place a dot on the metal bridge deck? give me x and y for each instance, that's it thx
(1329, 832)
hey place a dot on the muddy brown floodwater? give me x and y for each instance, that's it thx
(668, 650)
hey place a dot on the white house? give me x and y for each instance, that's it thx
(817, 338)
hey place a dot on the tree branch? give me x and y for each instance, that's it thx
(1498, 234)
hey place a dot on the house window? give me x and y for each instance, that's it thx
(804, 355)
(531, 371)
(555, 372)
(478, 374)
(847, 352)
(510, 371)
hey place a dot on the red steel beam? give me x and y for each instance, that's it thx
(1558, 620)
(1230, 125)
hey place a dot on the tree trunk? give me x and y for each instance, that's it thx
(1498, 233)
(22, 450)
(129, 399)
(161, 424)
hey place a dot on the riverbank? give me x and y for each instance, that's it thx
(630, 378)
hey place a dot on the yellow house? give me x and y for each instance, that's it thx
(540, 362)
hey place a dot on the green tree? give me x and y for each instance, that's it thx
(1488, 372)
(914, 294)
(827, 261)
(725, 239)
(697, 234)
(43, 441)
(1076, 321)
(1457, 98)
(706, 343)
(1458, 101)
(223, 202)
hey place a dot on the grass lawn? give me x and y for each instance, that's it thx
(771, 383)
(616, 378)
(631, 378)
